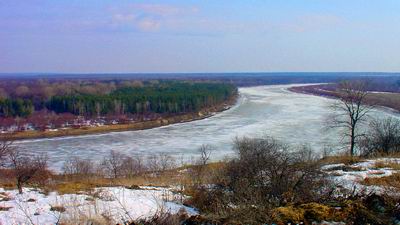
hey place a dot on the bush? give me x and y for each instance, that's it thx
(265, 174)
(383, 137)
(268, 172)
(78, 166)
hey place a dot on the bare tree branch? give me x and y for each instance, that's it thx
(350, 110)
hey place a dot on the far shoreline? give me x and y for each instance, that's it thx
(142, 125)
(384, 100)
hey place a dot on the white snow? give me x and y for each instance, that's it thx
(358, 172)
(118, 204)
(331, 166)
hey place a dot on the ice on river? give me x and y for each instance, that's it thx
(264, 110)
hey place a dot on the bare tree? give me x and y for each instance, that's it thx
(205, 153)
(132, 166)
(199, 173)
(153, 163)
(350, 110)
(6, 146)
(24, 168)
(113, 163)
(78, 166)
(166, 161)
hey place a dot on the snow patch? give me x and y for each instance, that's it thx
(118, 204)
(351, 176)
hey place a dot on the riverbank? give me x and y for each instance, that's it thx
(141, 125)
(383, 99)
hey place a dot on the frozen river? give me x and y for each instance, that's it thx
(265, 110)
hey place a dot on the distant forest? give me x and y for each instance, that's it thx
(94, 98)
(58, 97)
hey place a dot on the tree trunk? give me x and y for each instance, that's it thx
(352, 141)
(19, 186)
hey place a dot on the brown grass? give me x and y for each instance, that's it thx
(388, 181)
(379, 172)
(58, 208)
(305, 212)
(384, 155)
(64, 184)
(387, 164)
(69, 184)
(3, 208)
(347, 160)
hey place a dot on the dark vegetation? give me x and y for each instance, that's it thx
(239, 79)
(57, 103)
(161, 98)
(99, 99)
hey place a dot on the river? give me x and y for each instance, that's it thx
(297, 119)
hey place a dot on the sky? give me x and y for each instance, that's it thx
(187, 36)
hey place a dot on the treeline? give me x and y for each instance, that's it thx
(163, 97)
(16, 107)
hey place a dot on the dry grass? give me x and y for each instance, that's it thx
(70, 184)
(384, 155)
(379, 172)
(95, 220)
(387, 164)
(347, 160)
(82, 184)
(70, 187)
(388, 181)
(58, 208)
(305, 212)
(3, 208)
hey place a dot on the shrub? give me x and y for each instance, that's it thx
(78, 166)
(268, 172)
(265, 174)
(383, 137)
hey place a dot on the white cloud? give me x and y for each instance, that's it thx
(123, 18)
(150, 17)
(148, 24)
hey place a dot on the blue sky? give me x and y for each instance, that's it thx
(108, 36)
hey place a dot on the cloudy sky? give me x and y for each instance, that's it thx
(108, 36)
